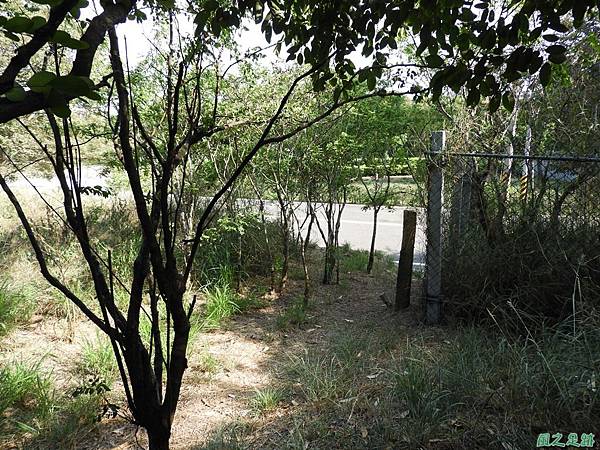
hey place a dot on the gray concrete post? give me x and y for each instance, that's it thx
(433, 258)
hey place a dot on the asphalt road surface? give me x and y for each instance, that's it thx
(356, 228)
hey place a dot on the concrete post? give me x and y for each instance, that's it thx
(433, 258)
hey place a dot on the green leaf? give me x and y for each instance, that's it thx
(494, 103)
(76, 10)
(71, 84)
(16, 94)
(508, 101)
(37, 23)
(12, 36)
(558, 58)
(40, 80)
(371, 81)
(545, 74)
(550, 37)
(473, 97)
(93, 95)
(434, 61)
(50, 3)
(63, 38)
(18, 24)
(556, 49)
(62, 111)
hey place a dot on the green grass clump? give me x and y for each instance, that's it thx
(98, 359)
(222, 302)
(293, 315)
(353, 260)
(266, 399)
(484, 382)
(320, 377)
(25, 390)
(35, 415)
(209, 364)
(16, 306)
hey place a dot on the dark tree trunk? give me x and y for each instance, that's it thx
(329, 264)
(286, 252)
(372, 250)
(158, 439)
(303, 249)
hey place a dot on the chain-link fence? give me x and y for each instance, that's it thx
(512, 231)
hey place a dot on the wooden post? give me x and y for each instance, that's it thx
(433, 257)
(405, 264)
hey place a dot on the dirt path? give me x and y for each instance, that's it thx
(228, 365)
(251, 350)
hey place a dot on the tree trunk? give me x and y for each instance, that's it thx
(372, 250)
(158, 439)
(329, 264)
(286, 251)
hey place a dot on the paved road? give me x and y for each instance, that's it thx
(355, 229)
(357, 226)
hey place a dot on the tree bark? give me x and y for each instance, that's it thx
(158, 439)
(373, 237)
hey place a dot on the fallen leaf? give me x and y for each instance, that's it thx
(404, 414)
(364, 432)
(349, 320)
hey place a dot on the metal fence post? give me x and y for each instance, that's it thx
(433, 256)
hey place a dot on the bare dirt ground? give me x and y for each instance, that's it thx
(246, 354)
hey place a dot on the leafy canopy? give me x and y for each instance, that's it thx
(481, 45)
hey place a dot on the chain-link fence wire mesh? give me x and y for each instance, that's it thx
(516, 232)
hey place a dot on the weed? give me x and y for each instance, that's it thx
(32, 411)
(265, 399)
(294, 315)
(72, 418)
(319, 377)
(98, 359)
(231, 436)
(26, 389)
(221, 303)
(353, 260)
(424, 397)
(209, 364)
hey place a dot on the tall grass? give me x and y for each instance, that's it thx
(221, 303)
(16, 306)
(512, 387)
(33, 414)
(97, 359)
